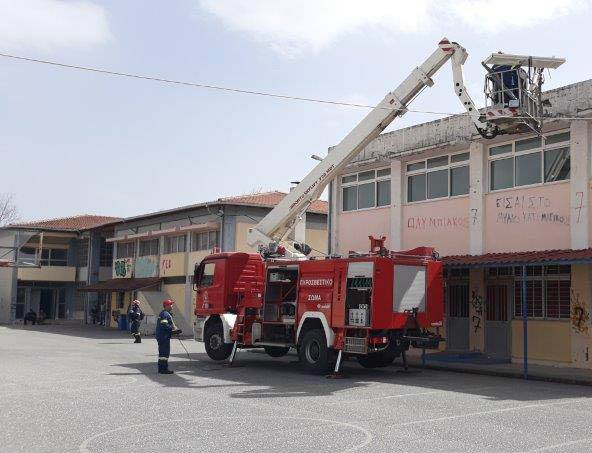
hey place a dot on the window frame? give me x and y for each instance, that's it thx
(128, 244)
(425, 171)
(356, 183)
(196, 240)
(172, 244)
(545, 276)
(141, 253)
(513, 154)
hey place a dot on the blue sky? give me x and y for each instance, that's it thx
(73, 142)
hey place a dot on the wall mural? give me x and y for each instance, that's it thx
(123, 268)
(146, 266)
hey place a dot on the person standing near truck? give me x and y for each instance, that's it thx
(165, 328)
(135, 315)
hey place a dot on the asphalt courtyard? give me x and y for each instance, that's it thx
(74, 390)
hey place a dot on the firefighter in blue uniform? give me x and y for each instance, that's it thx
(165, 328)
(135, 315)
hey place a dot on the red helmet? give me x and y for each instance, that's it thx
(167, 303)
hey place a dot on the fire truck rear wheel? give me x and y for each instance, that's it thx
(214, 343)
(314, 353)
(276, 351)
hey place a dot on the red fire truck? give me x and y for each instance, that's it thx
(374, 305)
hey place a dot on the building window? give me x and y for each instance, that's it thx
(126, 249)
(49, 257)
(548, 291)
(367, 189)
(149, 247)
(82, 255)
(174, 244)
(20, 303)
(106, 253)
(529, 161)
(206, 240)
(438, 177)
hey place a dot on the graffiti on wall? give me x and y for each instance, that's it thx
(580, 205)
(524, 209)
(477, 304)
(437, 223)
(580, 315)
(147, 266)
(123, 268)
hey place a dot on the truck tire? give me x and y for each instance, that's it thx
(214, 343)
(276, 351)
(375, 360)
(314, 353)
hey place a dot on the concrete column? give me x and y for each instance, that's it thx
(396, 233)
(580, 175)
(189, 267)
(300, 229)
(477, 310)
(477, 189)
(334, 213)
(8, 285)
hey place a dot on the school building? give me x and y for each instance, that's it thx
(154, 255)
(489, 207)
(57, 257)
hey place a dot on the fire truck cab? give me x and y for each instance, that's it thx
(372, 306)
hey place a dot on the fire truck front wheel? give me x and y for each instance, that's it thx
(314, 353)
(214, 343)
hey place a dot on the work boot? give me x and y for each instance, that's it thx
(165, 372)
(138, 338)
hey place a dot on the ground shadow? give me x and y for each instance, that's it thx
(259, 376)
(91, 331)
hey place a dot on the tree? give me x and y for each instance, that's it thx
(8, 211)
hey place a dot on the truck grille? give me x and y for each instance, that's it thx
(355, 345)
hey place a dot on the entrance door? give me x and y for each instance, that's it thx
(457, 337)
(497, 320)
(47, 303)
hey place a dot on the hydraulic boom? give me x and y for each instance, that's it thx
(275, 227)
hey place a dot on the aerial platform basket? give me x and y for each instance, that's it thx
(513, 90)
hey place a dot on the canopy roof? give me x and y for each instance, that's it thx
(520, 258)
(122, 285)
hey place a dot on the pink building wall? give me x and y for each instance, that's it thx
(536, 218)
(442, 224)
(355, 227)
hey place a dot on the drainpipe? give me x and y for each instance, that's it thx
(525, 321)
(222, 218)
(88, 274)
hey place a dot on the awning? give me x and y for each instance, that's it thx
(569, 256)
(122, 285)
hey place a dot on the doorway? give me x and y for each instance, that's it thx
(457, 336)
(47, 303)
(498, 320)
